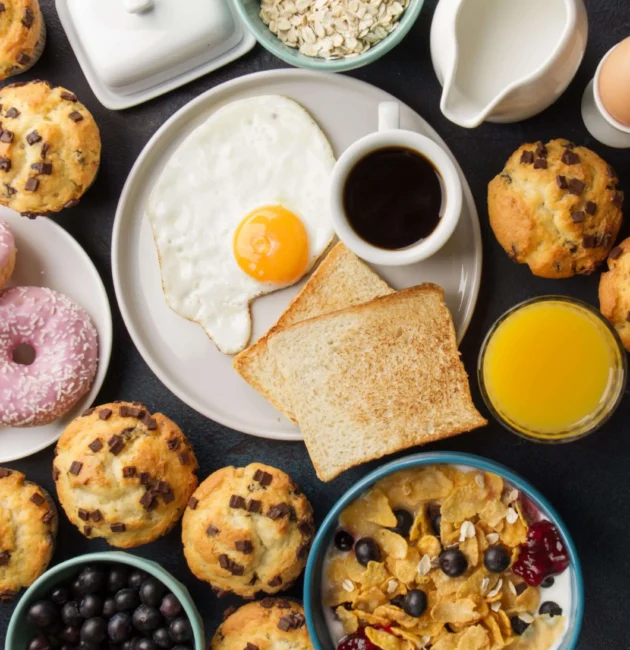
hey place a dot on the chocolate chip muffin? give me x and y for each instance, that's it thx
(28, 530)
(614, 291)
(50, 148)
(22, 36)
(556, 207)
(271, 624)
(248, 530)
(124, 474)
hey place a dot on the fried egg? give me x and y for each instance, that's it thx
(240, 210)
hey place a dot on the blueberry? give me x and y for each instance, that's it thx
(518, 625)
(94, 630)
(180, 630)
(126, 600)
(120, 628)
(367, 550)
(42, 614)
(151, 592)
(77, 589)
(39, 643)
(109, 608)
(551, 608)
(496, 558)
(398, 601)
(147, 618)
(60, 596)
(145, 644)
(136, 578)
(453, 562)
(415, 603)
(117, 578)
(170, 607)
(435, 516)
(130, 645)
(162, 638)
(71, 634)
(404, 522)
(344, 541)
(92, 580)
(547, 582)
(70, 613)
(91, 606)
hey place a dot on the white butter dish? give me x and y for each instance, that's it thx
(134, 50)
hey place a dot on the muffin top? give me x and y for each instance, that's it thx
(50, 148)
(248, 529)
(270, 624)
(123, 474)
(20, 31)
(556, 207)
(614, 291)
(28, 527)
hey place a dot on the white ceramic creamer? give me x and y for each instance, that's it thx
(505, 60)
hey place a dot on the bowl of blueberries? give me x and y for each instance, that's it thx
(106, 601)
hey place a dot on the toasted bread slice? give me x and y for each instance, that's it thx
(375, 378)
(341, 280)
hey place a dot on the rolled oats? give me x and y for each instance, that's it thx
(332, 29)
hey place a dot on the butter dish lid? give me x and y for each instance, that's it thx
(134, 50)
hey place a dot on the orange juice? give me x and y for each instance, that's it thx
(552, 368)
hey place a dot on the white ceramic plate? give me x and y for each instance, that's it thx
(49, 257)
(178, 351)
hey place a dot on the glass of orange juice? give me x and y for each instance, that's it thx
(552, 369)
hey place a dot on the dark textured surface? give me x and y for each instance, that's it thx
(588, 481)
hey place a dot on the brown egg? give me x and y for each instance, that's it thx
(614, 83)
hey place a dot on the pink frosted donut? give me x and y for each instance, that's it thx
(7, 253)
(66, 355)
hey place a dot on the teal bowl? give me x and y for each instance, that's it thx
(20, 631)
(249, 12)
(314, 611)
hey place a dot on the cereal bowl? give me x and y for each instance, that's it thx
(20, 631)
(531, 511)
(249, 12)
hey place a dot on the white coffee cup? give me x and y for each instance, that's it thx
(390, 134)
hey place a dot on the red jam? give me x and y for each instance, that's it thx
(358, 640)
(544, 554)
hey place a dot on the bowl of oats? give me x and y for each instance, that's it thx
(328, 35)
(446, 551)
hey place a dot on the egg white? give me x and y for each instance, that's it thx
(251, 153)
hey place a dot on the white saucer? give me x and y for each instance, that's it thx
(49, 257)
(178, 351)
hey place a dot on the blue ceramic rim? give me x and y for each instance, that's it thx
(438, 458)
(276, 47)
(123, 558)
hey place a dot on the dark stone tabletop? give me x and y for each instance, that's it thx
(588, 481)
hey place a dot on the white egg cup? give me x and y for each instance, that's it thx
(390, 134)
(599, 122)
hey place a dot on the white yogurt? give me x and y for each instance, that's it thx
(560, 592)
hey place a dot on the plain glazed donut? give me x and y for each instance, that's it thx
(65, 343)
(7, 253)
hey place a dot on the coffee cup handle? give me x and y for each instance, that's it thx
(388, 116)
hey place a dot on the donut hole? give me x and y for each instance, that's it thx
(24, 354)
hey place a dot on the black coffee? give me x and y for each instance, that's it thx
(393, 198)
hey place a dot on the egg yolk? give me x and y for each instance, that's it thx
(271, 245)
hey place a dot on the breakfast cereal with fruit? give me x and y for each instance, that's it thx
(447, 558)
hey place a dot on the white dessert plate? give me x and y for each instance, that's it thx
(177, 350)
(49, 257)
(131, 51)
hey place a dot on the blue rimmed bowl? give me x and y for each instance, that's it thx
(313, 607)
(20, 631)
(249, 12)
